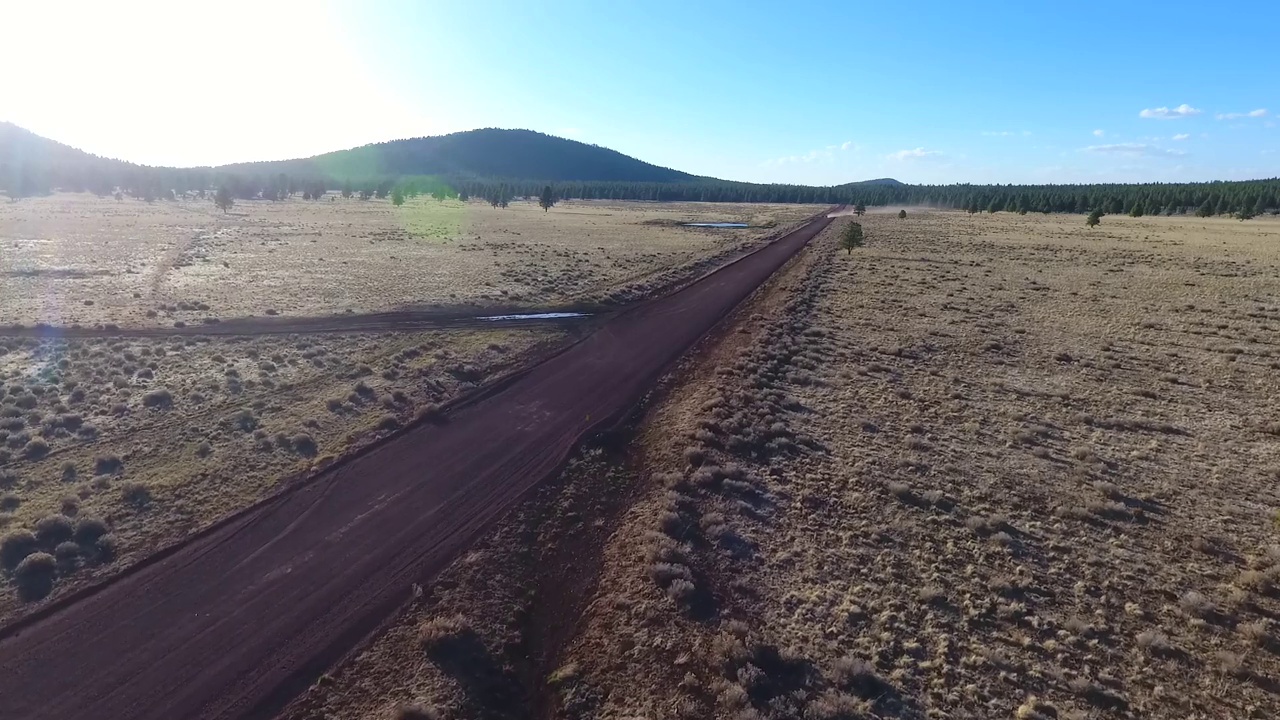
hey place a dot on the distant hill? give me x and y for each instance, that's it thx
(487, 153)
(31, 163)
(888, 182)
(28, 159)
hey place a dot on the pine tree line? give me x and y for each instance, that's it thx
(1242, 198)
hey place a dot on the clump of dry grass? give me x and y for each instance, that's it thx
(443, 634)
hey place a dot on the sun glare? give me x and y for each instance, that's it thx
(174, 84)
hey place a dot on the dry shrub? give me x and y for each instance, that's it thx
(681, 591)
(857, 676)
(1156, 643)
(1195, 604)
(53, 529)
(15, 546)
(695, 456)
(1256, 633)
(135, 493)
(34, 575)
(89, 529)
(440, 634)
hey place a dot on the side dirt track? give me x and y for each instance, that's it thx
(238, 621)
(393, 321)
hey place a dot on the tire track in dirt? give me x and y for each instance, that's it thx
(240, 619)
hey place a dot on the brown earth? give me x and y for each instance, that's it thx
(240, 619)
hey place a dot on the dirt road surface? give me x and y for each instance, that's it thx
(240, 619)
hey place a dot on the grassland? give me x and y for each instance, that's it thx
(76, 259)
(983, 467)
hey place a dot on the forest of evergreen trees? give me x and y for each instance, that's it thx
(31, 165)
(1251, 197)
(1243, 198)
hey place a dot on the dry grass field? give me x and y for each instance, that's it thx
(989, 467)
(77, 259)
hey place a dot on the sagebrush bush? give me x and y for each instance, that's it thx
(36, 449)
(158, 398)
(67, 553)
(53, 529)
(15, 546)
(34, 575)
(135, 493)
(304, 444)
(89, 529)
(681, 590)
(107, 464)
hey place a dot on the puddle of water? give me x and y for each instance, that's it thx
(716, 225)
(534, 316)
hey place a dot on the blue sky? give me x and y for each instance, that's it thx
(819, 93)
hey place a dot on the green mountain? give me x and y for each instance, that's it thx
(487, 153)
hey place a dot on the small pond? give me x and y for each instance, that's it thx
(534, 316)
(716, 225)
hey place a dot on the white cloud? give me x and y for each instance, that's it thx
(827, 154)
(1260, 112)
(1006, 133)
(1099, 133)
(917, 154)
(569, 132)
(1181, 136)
(1164, 113)
(1136, 149)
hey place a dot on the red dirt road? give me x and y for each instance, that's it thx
(239, 620)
